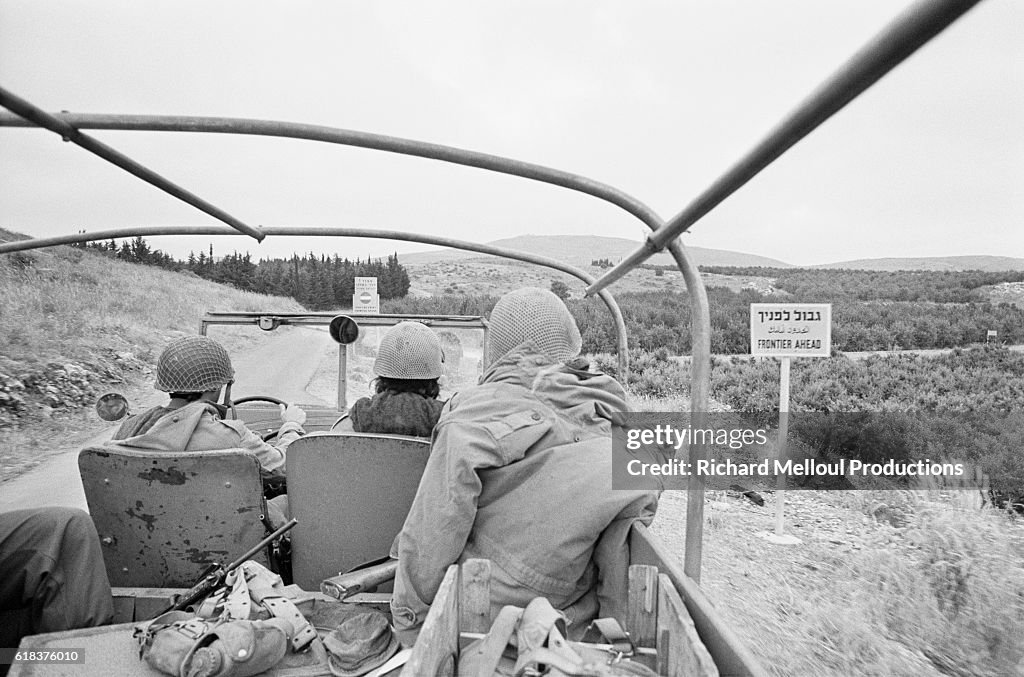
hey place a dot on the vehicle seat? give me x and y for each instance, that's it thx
(163, 516)
(351, 493)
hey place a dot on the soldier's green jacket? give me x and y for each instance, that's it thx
(199, 427)
(520, 473)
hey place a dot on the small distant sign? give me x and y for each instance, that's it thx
(365, 299)
(992, 333)
(791, 329)
(366, 284)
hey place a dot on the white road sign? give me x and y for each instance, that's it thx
(791, 329)
(366, 284)
(366, 303)
(365, 299)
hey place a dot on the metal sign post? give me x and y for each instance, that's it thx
(787, 330)
(780, 536)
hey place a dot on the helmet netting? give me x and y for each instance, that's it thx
(409, 350)
(535, 315)
(193, 364)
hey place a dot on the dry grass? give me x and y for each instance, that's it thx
(67, 304)
(941, 595)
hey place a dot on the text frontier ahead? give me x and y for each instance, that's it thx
(791, 329)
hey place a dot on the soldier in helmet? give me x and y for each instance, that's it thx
(408, 365)
(520, 473)
(194, 371)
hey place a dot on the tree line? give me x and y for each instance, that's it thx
(316, 281)
(812, 285)
(661, 321)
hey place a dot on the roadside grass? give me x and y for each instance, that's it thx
(67, 304)
(942, 594)
(949, 584)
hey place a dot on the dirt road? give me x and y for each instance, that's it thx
(282, 365)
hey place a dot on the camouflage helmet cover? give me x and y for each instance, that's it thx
(193, 364)
(409, 350)
(535, 315)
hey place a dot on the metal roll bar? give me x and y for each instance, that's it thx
(70, 133)
(328, 231)
(901, 38)
(358, 139)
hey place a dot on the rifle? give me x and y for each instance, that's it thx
(213, 577)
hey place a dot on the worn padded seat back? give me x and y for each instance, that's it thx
(163, 516)
(351, 493)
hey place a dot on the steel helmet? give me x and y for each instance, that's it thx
(193, 364)
(409, 350)
(535, 315)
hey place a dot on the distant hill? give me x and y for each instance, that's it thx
(580, 250)
(986, 263)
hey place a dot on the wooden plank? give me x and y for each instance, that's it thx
(141, 604)
(731, 656)
(475, 596)
(680, 650)
(124, 610)
(437, 647)
(642, 609)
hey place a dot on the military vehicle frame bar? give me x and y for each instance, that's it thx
(320, 319)
(69, 132)
(700, 323)
(901, 38)
(322, 231)
(271, 321)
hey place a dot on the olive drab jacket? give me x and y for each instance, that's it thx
(198, 427)
(520, 473)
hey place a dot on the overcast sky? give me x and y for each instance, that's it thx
(655, 98)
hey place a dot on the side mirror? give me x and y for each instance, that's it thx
(112, 407)
(268, 323)
(344, 330)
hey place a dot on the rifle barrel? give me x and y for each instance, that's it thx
(214, 575)
(262, 544)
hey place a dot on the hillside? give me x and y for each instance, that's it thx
(75, 322)
(580, 250)
(452, 271)
(986, 263)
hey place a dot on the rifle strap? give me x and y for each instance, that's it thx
(609, 630)
(265, 588)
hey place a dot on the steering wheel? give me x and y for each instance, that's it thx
(337, 422)
(258, 398)
(272, 487)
